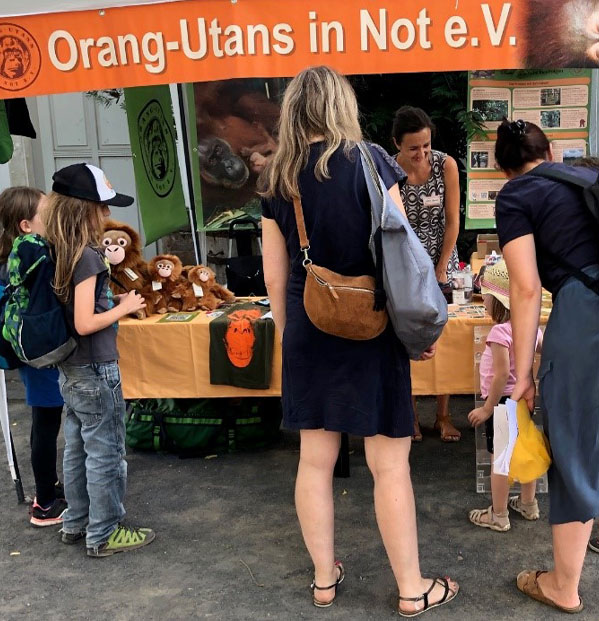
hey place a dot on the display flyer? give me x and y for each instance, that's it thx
(558, 101)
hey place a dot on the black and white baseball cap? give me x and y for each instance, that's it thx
(89, 183)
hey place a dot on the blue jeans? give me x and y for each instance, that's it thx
(95, 471)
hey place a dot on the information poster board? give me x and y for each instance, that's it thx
(558, 101)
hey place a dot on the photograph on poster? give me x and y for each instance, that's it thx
(479, 159)
(491, 109)
(550, 118)
(571, 155)
(236, 124)
(551, 96)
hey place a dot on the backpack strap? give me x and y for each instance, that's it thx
(590, 192)
(559, 175)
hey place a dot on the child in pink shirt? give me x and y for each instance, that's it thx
(497, 380)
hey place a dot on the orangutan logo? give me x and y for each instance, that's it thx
(157, 143)
(240, 337)
(20, 58)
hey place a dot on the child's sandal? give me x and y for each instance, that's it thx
(320, 604)
(528, 512)
(494, 521)
(448, 595)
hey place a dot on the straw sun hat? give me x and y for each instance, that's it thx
(496, 282)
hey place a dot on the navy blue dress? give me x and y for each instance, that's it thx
(360, 387)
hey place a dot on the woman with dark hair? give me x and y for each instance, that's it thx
(550, 238)
(431, 197)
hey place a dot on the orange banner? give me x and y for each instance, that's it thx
(192, 41)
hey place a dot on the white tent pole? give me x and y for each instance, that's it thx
(184, 164)
(12, 463)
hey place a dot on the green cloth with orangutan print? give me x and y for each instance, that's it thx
(241, 346)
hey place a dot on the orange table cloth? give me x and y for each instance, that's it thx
(171, 360)
(160, 360)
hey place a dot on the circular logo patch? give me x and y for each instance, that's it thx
(20, 58)
(157, 142)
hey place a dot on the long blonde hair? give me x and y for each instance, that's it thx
(71, 225)
(317, 102)
(16, 204)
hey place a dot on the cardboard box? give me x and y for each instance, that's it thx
(486, 243)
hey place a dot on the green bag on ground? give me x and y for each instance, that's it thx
(196, 427)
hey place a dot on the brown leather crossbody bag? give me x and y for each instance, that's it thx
(351, 307)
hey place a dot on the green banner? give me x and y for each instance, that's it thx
(157, 175)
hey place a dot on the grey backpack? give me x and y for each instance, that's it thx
(415, 303)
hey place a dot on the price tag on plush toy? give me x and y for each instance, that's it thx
(130, 273)
(197, 290)
(156, 286)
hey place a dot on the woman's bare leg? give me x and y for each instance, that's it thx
(314, 502)
(395, 510)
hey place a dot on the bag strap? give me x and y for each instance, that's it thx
(590, 191)
(380, 295)
(301, 228)
(559, 175)
(371, 167)
(563, 176)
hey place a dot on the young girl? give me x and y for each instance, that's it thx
(21, 209)
(95, 471)
(497, 380)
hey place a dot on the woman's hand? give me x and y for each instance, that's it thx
(479, 416)
(525, 389)
(441, 272)
(429, 352)
(119, 297)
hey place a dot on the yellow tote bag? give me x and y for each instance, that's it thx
(531, 457)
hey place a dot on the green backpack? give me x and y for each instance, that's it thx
(197, 427)
(33, 320)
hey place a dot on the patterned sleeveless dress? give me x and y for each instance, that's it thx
(425, 207)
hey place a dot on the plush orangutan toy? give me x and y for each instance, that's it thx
(206, 278)
(122, 248)
(165, 274)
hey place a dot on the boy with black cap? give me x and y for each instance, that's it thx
(95, 471)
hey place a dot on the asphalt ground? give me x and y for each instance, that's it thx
(228, 545)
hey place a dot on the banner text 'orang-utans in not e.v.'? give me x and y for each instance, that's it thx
(191, 41)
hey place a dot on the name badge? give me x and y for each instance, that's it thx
(197, 290)
(431, 201)
(156, 286)
(130, 273)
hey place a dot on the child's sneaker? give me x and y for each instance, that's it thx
(71, 538)
(49, 516)
(594, 544)
(123, 539)
(528, 512)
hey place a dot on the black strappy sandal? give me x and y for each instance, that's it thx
(447, 597)
(317, 602)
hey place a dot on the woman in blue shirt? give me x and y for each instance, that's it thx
(550, 239)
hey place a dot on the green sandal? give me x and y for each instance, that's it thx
(320, 604)
(448, 595)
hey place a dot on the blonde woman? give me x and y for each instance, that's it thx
(333, 385)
